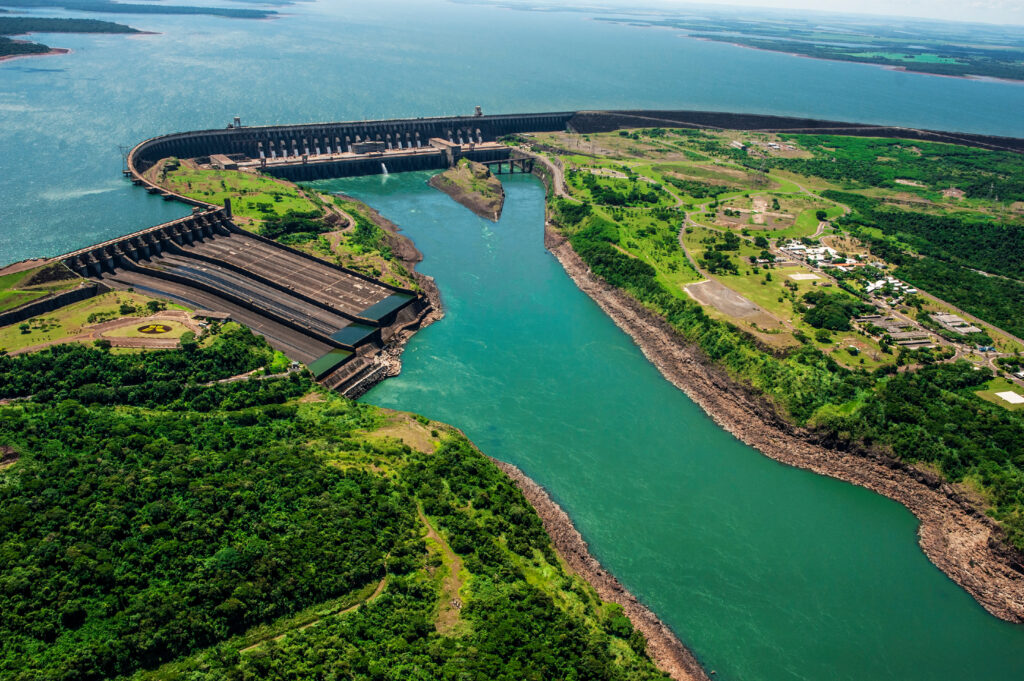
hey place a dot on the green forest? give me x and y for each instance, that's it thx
(950, 257)
(158, 525)
(879, 162)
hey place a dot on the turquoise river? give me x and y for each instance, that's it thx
(768, 573)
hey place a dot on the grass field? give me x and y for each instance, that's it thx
(1001, 385)
(778, 297)
(253, 197)
(19, 288)
(67, 323)
(657, 244)
(12, 299)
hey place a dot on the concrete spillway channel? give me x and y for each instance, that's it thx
(326, 316)
(296, 345)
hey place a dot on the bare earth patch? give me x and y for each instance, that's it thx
(451, 604)
(8, 457)
(404, 427)
(715, 294)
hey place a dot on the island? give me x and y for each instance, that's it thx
(472, 184)
(9, 26)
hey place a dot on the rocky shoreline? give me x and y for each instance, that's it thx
(390, 358)
(958, 538)
(663, 647)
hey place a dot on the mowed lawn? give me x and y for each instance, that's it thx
(66, 324)
(254, 197)
(131, 329)
(1001, 385)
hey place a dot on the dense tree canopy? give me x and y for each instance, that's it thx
(152, 518)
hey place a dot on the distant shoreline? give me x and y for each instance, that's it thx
(887, 67)
(53, 51)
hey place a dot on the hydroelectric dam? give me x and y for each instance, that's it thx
(332, 318)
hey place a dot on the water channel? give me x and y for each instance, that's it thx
(766, 571)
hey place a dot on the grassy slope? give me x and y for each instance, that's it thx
(18, 288)
(257, 198)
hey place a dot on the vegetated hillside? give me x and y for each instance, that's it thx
(153, 525)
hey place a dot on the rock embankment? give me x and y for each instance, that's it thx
(407, 253)
(965, 544)
(472, 185)
(663, 647)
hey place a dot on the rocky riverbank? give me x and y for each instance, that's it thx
(964, 543)
(390, 358)
(663, 647)
(472, 185)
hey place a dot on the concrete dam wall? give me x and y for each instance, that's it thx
(310, 151)
(294, 141)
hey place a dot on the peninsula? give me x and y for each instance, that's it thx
(11, 26)
(472, 185)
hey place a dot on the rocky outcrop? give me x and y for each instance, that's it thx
(472, 185)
